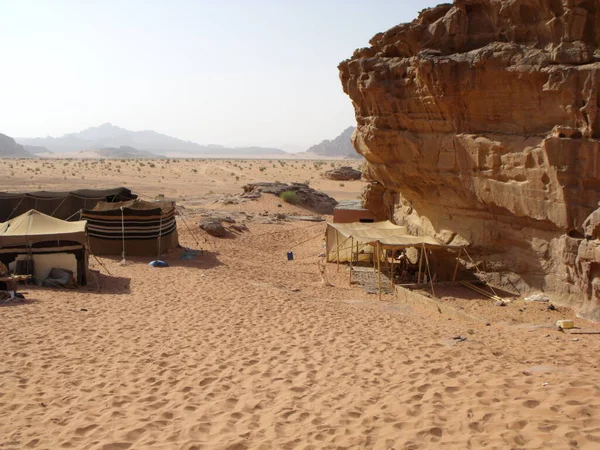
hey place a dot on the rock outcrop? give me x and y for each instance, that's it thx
(306, 196)
(480, 121)
(344, 173)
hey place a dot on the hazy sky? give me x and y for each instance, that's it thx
(213, 72)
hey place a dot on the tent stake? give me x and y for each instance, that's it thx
(379, 269)
(456, 267)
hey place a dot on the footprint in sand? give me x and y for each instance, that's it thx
(531, 403)
(206, 381)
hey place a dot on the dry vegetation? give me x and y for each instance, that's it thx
(181, 179)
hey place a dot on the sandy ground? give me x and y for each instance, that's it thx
(185, 180)
(242, 349)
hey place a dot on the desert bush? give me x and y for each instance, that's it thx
(289, 197)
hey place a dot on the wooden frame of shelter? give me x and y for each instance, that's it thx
(382, 236)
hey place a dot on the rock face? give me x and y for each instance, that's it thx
(306, 196)
(344, 173)
(480, 121)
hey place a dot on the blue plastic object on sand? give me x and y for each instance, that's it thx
(158, 263)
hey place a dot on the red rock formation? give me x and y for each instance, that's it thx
(482, 119)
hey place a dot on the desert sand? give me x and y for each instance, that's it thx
(242, 349)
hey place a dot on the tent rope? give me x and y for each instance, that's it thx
(159, 235)
(187, 226)
(480, 272)
(56, 209)
(123, 232)
(73, 215)
(15, 208)
(304, 242)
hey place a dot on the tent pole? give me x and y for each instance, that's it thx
(337, 245)
(429, 271)
(374, 260)
(392, 270)
(379, 269)
(456, 267)
(420, 266)
(351, 257)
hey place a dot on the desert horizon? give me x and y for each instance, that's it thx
(394, 243)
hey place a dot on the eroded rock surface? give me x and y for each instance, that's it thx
(480, 121)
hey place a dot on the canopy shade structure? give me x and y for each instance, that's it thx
(45, 243)
(62, 205)
(34, 227)
(134, 227)
(367, 235)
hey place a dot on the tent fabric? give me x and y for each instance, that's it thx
(33, 234)
(34, 227)
(367, 235)
(143, 228)
(62, 205)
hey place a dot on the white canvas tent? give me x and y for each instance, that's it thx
(47, 241)
(343, 239)
(357, 242)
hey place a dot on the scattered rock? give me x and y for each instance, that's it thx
(240, 228)
(214, 227)
(345, 173)
(500, 303)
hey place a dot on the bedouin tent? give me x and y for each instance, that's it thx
(62, 205)
(135, 227)
(45, 243)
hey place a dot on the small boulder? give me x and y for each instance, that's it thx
(214, 227)
(345, 173)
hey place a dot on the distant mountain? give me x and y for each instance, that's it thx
(110, 136)
(10, 149)
(340, 146)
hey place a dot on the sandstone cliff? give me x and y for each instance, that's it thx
(480, 121)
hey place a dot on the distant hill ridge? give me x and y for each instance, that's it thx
(10, 149)
(340, 146)
(110, 136)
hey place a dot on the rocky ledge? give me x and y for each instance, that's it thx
(305, 196)
(480, 121)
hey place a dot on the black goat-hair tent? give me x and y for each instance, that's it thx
(135, 227)
(61, 205)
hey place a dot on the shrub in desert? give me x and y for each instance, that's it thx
(289, 197)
